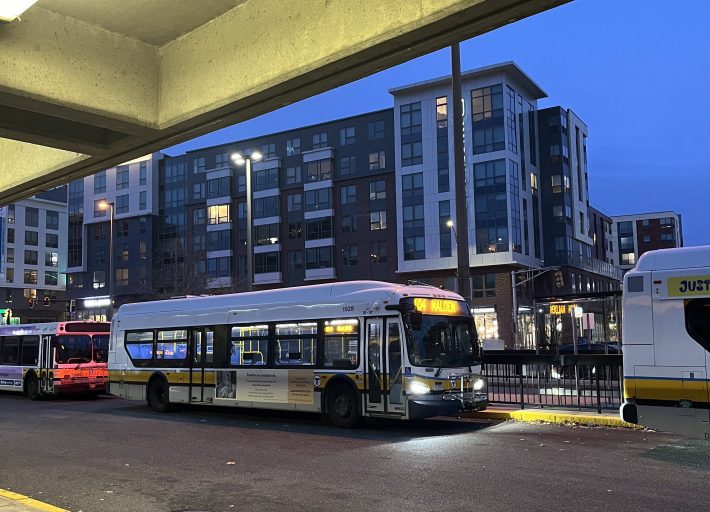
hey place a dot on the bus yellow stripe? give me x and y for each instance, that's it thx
(666, 389)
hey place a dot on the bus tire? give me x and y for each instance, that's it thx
(159, 394)
(32, 387)
(343, 406)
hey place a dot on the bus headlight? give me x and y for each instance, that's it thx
(418, 388)
(479, 384)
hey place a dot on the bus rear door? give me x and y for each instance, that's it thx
(201, 356)
(47, 358)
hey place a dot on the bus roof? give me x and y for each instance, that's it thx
(677, 258)
(361, 291)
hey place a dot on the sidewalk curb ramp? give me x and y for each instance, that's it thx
(25, 503)
(555, 417)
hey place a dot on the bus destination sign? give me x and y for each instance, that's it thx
(438, 306)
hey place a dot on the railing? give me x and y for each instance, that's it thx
(544, 380)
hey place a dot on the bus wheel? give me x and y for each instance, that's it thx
(343, 407)
(32, 387)
(158, 395)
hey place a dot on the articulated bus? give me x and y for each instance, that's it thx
(345, 350)
(53, 358)
(666, 335)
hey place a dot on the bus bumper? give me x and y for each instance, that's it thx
(427, 406)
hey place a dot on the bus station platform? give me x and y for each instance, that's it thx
(554, 416)
(14, 502)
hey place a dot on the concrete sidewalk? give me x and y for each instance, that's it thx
(13, 502)
(557, 416)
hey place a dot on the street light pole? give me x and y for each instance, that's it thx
(106, 205)
(247, 160)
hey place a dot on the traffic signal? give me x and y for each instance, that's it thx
(30, 303)
(559, 279)
(8, 296)
(46, 301)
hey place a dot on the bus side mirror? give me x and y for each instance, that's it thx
(415, 318)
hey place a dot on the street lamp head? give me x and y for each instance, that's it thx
(256, 156)
(238, 158)
(449, 223)
(103, 205)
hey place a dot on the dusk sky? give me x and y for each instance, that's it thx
(637, 72)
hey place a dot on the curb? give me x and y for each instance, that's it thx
(555, 417)
(28, 502)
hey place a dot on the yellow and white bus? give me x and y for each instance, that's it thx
(666, 336)
(346, 350)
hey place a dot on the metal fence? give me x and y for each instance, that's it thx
(588, 381)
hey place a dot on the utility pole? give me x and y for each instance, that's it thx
(463, 270)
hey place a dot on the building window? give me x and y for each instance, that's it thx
(410, 118)
(319, 199)
(484, 285)
(199, 216)
(293, 146)
(667, 237)
(266, 234)
(100, 182)
(121, 277)
(511, 123)
(348, 194)
(378, 252)
(142, 250)
(30, 257)
(319, 257)
(221, 160)
(30, 277)
(122, 204)
(444, 229)
(218, 214)
(488, 124)
(442, 114)
(143, 173)
(266, 179)
(628, 258)
(348, 223)
(413, 186)
(218, 187)
(533, 183)
(347, 136)
(52, 219)
(647, 239)
(349, 253)
(143, 200)
(348, 165)
(31, 238)
(413, 248)
(219, 240)
(32, 217)
(198, 191)
(199, 242)
(377, 160)
(266, 207)
(122, 177)
(51, 259)
(294, 202)
(99, 280)
(411, 153)
(491, 206)
(10, 255)
(122, 229)
(10, 235)
(51, 278)
(198, 165)
(319, 229)
(376, 130)
(295, 261)
(267, 262)
(377, 190)
(268, 150)
(219, 267)
(9, 275)
(295, 230)
(293, 175)
(319, 170)
(378, 220)
(320, 140)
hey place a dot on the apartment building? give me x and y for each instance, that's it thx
(33, 261)
(638, 233)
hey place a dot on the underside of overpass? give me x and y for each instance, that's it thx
(87, 84)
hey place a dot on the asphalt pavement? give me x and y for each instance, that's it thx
(108, 454)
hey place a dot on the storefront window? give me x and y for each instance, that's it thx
(486, 320)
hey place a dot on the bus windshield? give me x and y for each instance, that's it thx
(442, 341)
(74, 349)
(100, 348)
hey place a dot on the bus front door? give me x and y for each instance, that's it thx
(47, 358)
(198, 353)
(384, 367)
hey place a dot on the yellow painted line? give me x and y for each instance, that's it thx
(30, 502)
(556, 417)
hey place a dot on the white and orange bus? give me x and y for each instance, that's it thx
(53, 358)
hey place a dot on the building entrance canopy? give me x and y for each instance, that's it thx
(86, 85)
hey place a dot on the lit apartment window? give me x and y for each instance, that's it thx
(218, 214)
(51, 259)
(99, 280)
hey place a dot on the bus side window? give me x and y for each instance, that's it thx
(697, 321)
